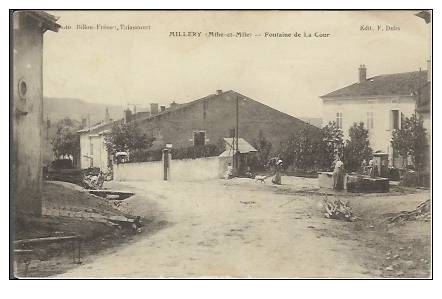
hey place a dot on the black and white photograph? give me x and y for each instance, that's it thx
(220, 144)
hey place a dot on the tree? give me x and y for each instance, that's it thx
(66, 142)
(127, 138)
(263, 147)
(357, 147)
(302, 147)
(411, 141)
(332, 143)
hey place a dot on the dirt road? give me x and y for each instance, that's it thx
(236, 228)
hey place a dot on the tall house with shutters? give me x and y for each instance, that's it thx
(380, 102)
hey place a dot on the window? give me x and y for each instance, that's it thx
(394, 119)
(22, 89)
(156, 133)
(199, 138)
(370, 124)
(339, 120)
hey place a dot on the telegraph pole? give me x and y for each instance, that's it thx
(91, 161)
(235, 154)
(237, 122)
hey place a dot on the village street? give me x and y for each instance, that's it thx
(236, 228)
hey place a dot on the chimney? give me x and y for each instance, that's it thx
(154, 108)
(162, 108)
(106, 116)
(219, 91)
(362, 73)
(173, 105)
(127, 116)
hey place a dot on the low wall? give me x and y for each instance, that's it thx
(355, 183)
(143, 171)
(366, 184)
(180, 170)
(325, 180)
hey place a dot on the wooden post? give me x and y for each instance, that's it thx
(236, 151)
(165, 163)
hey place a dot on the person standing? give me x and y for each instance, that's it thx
(278, 168)
(338, 174)
(363, 166)
(229, 172)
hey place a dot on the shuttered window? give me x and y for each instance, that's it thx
(339, 120)
(370, 120)
(394, 119)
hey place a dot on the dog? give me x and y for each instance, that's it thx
(260, 178)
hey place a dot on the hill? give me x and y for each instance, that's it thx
(58, 108)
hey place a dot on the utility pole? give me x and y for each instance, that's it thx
(91, 161)
(235, 155)
(237, 122)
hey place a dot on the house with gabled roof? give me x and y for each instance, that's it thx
(209, 119)
(380, 102)
(201, 122)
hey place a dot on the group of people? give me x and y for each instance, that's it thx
(372, 169)
(274, 163)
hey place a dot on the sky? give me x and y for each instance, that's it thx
(118, 67)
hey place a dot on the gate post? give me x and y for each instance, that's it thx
(166, 163)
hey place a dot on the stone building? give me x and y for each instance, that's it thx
(380, 102)
(200, 122)
(27, 107)
(208, 120)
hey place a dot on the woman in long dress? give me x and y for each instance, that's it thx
(338, 175)
(278, 167)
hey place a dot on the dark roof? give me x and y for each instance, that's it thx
(177, 108)
(48, 21)
(383, 85)
(141, 116)
(213, 96)
(100, 127)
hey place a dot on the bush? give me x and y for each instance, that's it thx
(411, 140)
(305, 149)
(357, 148)
(209, 150)
(412, 179)
(146, 156)
(259, 160)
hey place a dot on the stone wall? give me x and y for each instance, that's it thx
(180, 170)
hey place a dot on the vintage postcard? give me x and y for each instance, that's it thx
(221, 144)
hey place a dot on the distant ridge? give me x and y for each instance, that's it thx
(58, 108)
